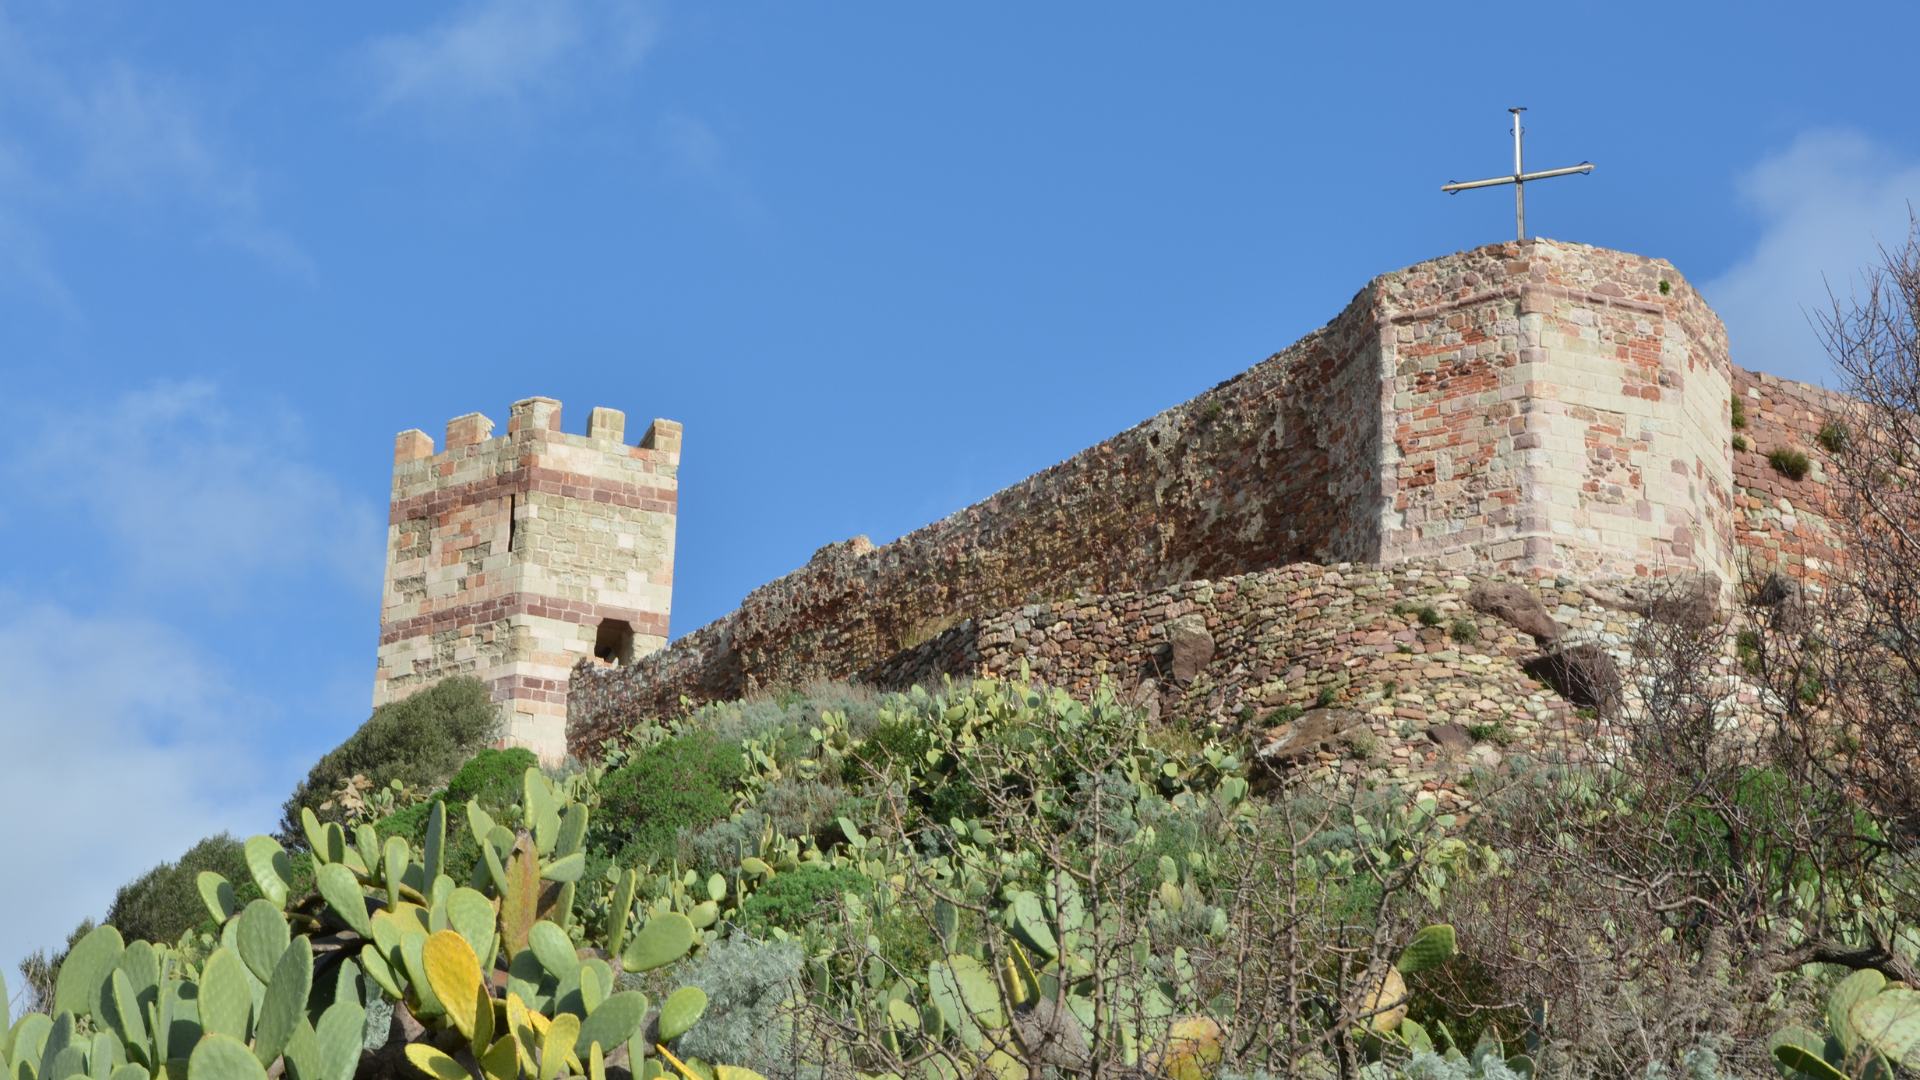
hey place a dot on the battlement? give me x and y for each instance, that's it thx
(512, 557)
(536, 414)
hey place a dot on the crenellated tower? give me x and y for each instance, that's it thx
(513, 557)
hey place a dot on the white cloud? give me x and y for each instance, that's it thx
(1825, 203)
(119, 748)
(98, 136)
(503, 51)
(193, 497)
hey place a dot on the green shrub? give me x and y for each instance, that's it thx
(1464, 630)
(1738, 413)
(683, 782)
(793, 899)
(409, 822)
(1832, 437)
(491, 776)
(1740, 443)
(1495, 733)
(1767, 804)
(419, 740)
(900, 748)
(1790, 463)
(164, 902)
(894, 746)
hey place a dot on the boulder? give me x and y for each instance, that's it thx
(1308, 732)
(1689, 599)
(1584, 674)
(1450, 737)
(1189, 647)
(1517, 607)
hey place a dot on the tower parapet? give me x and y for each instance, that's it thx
(513, 557)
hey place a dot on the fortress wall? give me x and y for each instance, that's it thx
(1276, 465)
(1420, 705)
(1531, 407)
(1781, 523)
(1557, 408)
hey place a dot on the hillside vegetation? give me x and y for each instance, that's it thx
(1000, 880)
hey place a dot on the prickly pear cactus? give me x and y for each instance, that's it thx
(485, 974)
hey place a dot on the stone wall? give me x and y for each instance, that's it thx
(505, 556)
(1537, 407)
(1556, 408)
(1781, 523)
(1356, 671)
(1277, 465)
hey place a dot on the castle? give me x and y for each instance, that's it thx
(1539, 409)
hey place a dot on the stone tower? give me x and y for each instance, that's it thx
(511, 558)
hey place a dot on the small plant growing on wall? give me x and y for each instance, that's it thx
(1790, 463)
(1832, 437)
(1740, 442)
(1738, 413)
(1666, 287)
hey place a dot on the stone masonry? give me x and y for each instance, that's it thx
(1536, 409)
(512, 558)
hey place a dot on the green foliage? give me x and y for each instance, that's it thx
(794, 899)
(1464, 630)
(488, 974)
(1493, 732)
(1832, 437)
(1871, 1027)
(1790, 463)
(490, 777)
(910, 749)
(1737, 412)
(419, 740)
(1763, 802)
(683, 782)
(1740, 443)
(164, 903)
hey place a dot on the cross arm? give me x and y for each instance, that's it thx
(1468, 185)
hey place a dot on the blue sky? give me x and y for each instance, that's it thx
(880, 260)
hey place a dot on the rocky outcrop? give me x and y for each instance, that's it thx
(1515, 605)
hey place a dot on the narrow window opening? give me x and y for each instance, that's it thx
(513, 519)
(613, 643)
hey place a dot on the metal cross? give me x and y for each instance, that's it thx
(1518, 179)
